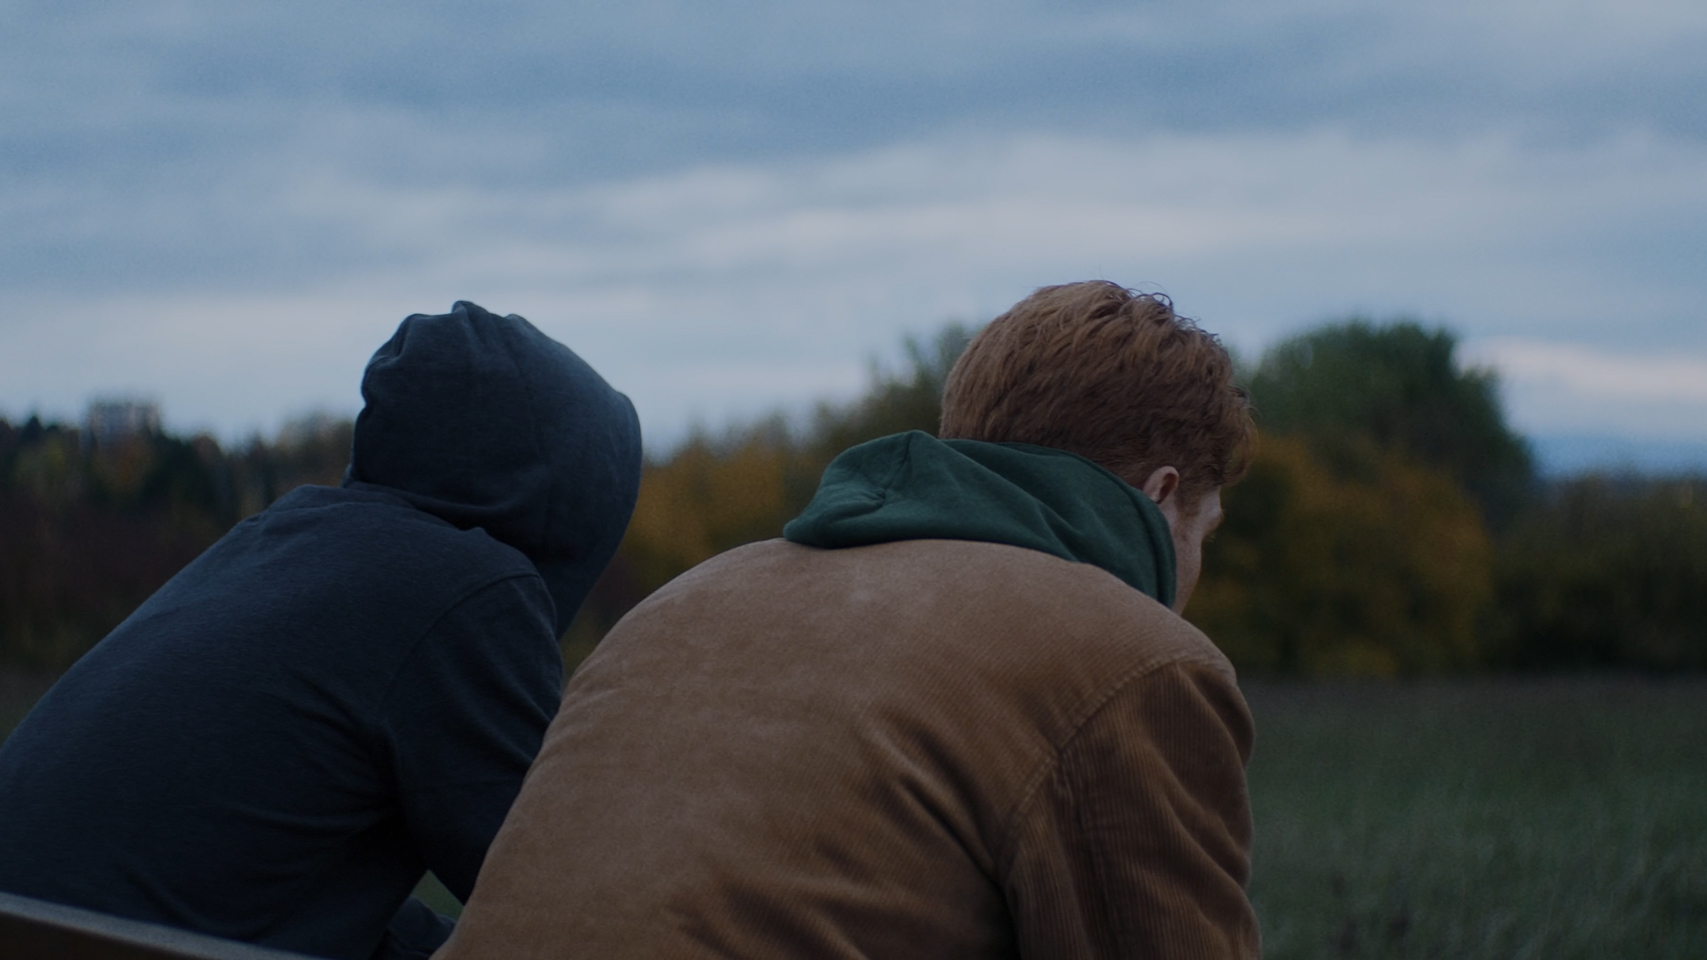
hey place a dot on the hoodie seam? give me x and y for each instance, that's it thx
(540, 456)
(414, 645)
(890, 482)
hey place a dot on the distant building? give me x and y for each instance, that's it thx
(112, 421)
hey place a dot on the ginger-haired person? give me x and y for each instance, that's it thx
(953, 713)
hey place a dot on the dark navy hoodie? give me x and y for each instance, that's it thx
(348, 688)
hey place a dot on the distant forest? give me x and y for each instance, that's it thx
(1391, 524)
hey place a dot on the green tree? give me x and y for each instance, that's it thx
(712, 494)
(88, 531)
(896, 401)
(1607, 572)
(1397, 387)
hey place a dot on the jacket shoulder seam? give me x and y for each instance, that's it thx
(1033, 783)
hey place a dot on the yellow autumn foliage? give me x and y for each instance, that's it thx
(1380, 569)
(704, 500)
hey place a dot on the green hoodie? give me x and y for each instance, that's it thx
(912, 486)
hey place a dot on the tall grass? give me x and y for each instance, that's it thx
(1555, 818)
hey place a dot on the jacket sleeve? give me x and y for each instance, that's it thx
(1137, 842)
(463, 720)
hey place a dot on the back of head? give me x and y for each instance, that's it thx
(1112, 375)
(484, 421)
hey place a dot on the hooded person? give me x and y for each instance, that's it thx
(346, 690)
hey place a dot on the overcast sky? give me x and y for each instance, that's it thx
(730, 208)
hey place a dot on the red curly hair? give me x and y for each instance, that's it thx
(1110, 374)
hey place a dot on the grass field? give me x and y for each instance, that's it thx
(1549, 818)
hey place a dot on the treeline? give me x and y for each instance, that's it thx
(1391, 523)
(88, 530)
(719, 491)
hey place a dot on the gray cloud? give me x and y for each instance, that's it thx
(746, 199)
(734, 287)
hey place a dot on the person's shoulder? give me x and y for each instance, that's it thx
(983, 593)
(1080, 607)
(379, 531)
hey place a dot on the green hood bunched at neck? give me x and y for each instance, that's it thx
(912, 486)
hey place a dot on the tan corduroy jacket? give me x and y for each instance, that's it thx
(926, 749)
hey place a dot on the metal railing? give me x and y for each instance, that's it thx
(37, 930)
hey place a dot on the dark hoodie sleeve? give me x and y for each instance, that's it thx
(414, 933)
(464, 717)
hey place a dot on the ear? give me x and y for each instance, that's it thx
(1161, 484)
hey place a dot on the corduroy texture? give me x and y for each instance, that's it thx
(912, 486)
(928, 748)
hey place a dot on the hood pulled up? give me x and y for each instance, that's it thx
(484, 421)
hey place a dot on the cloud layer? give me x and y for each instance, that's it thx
(228, 205)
